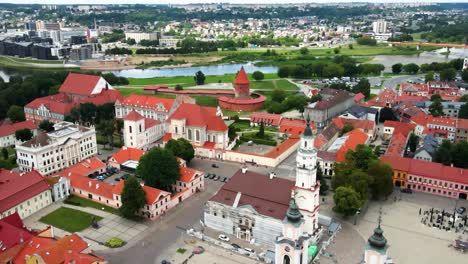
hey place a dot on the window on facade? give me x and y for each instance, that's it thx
(190, 134)
(197, 135)
(130, 129)
(176, 130)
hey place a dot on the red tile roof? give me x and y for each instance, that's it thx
(148, 102)
(355, 137)
(85, 167)
(285, 145)
(462, 123)
(151, 123)
(269, 197)
(58, 103)
(199, 116)
(241, 77)
(10, 129)
(82, 182)
(187, 174)
(126, 153)
(56, 252)
(153, 87)
(167, 137)
(209, 145)
(106, 96)
(411, 98)
(133, 116)
(81, 84)
(387, 96)
(441, 121)
(359, 97)
(32, 246)
(152, 194)
(356, 123)
(399, 127)
(294, 126)
(397, 145)
(266, 118)
(16, 188)
(13, 232)
(427, 169)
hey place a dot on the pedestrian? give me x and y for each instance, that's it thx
(419, 211)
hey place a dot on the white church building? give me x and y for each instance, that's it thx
(252, 206)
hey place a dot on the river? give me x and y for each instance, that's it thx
(386, 60)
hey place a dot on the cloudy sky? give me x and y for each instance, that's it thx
(198, 1)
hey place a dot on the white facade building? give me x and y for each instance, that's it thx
(140, 132)
(139, 36)
(379, 26)
(50, 152)
(148, 106)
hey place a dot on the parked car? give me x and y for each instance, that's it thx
(207, 175)
(223, 237)
(249, 250)
(406, 190)
(125, 176)
(225, 179)
(216, 178)
(117, 179)
(235, 246)
(166, 262)
(100, 178)
(214, 165)
(198, 250)
(461, 210)
(213, 176)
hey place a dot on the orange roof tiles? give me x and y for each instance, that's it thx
(133, 116)
(355, 137)
(266, 118)
(187, 174)
(427, 169)
(399, 127)
(148, 102)
(10, 129)
(356, 123)
(32, 246)
(85, 167)
(285, 145)
(241, 77)
(199, 116)
(82, 84)
(294, 126)
(462, 123)
(126, 153)
(82, 182)
(152, 194)
(55, 253)
(397, 145)
(442, 121)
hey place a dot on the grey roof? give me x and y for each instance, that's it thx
(445, 105)
(429, 144)
(359, 111)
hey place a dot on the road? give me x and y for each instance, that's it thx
(167, 230)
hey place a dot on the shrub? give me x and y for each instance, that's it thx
(67, 201)
(114, 242)
(181, 250)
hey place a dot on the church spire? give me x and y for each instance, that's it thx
(377, 240)
(293, 215)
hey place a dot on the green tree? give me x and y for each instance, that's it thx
(346, 128)
(119, 125)
(199, 78)
(429, 76)
(23, 134)
(323, 183)
(464, 75)
(5, 153)
(448, 75)
(16, 79)
(159, 168)
(87, 113)
(364, 87)
(336, 50)
(361, 157)
(413, 142)
(316, 98)
(304, 51)
(181, 148)
(396, 68)
(178, 87)
(131, 41)
(464, 98)
(333, 70)
(350, 46)
(232, 132)
(46, 125)
(107, 128)
(258, 75)
(261, 131)
(346, 200)
(366, 41)
(16, 114)
(463, 113)
(411, 68)
(283, 72)
(459, 154)
(436, 108)
(436, 97)
(444, 153)
(278, 95)
(381, 179)
(133, 198)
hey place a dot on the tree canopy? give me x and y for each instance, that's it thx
(346, 200)
(181, 148)
(159, 168)
(16, 114)
(133, 198)
(258, 75)
(23, 134)
(199, 78)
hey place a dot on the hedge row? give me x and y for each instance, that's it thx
(259, 140)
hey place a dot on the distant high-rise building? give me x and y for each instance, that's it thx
(31, 26)
(379, 26)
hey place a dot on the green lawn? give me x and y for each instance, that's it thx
(188, 80)
(69, 219)
(206, 100)
(26, 62)
(75, 200)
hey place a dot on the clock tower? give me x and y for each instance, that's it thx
(307, 187)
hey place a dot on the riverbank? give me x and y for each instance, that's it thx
(13, 62)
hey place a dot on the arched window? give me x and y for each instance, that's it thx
(286, 259)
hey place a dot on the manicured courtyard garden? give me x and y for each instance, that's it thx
(70, 220)
(78, 201)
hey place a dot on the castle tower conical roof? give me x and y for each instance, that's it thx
(241, 77)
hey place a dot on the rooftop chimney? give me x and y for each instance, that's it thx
(272, 175)
(244, 170)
